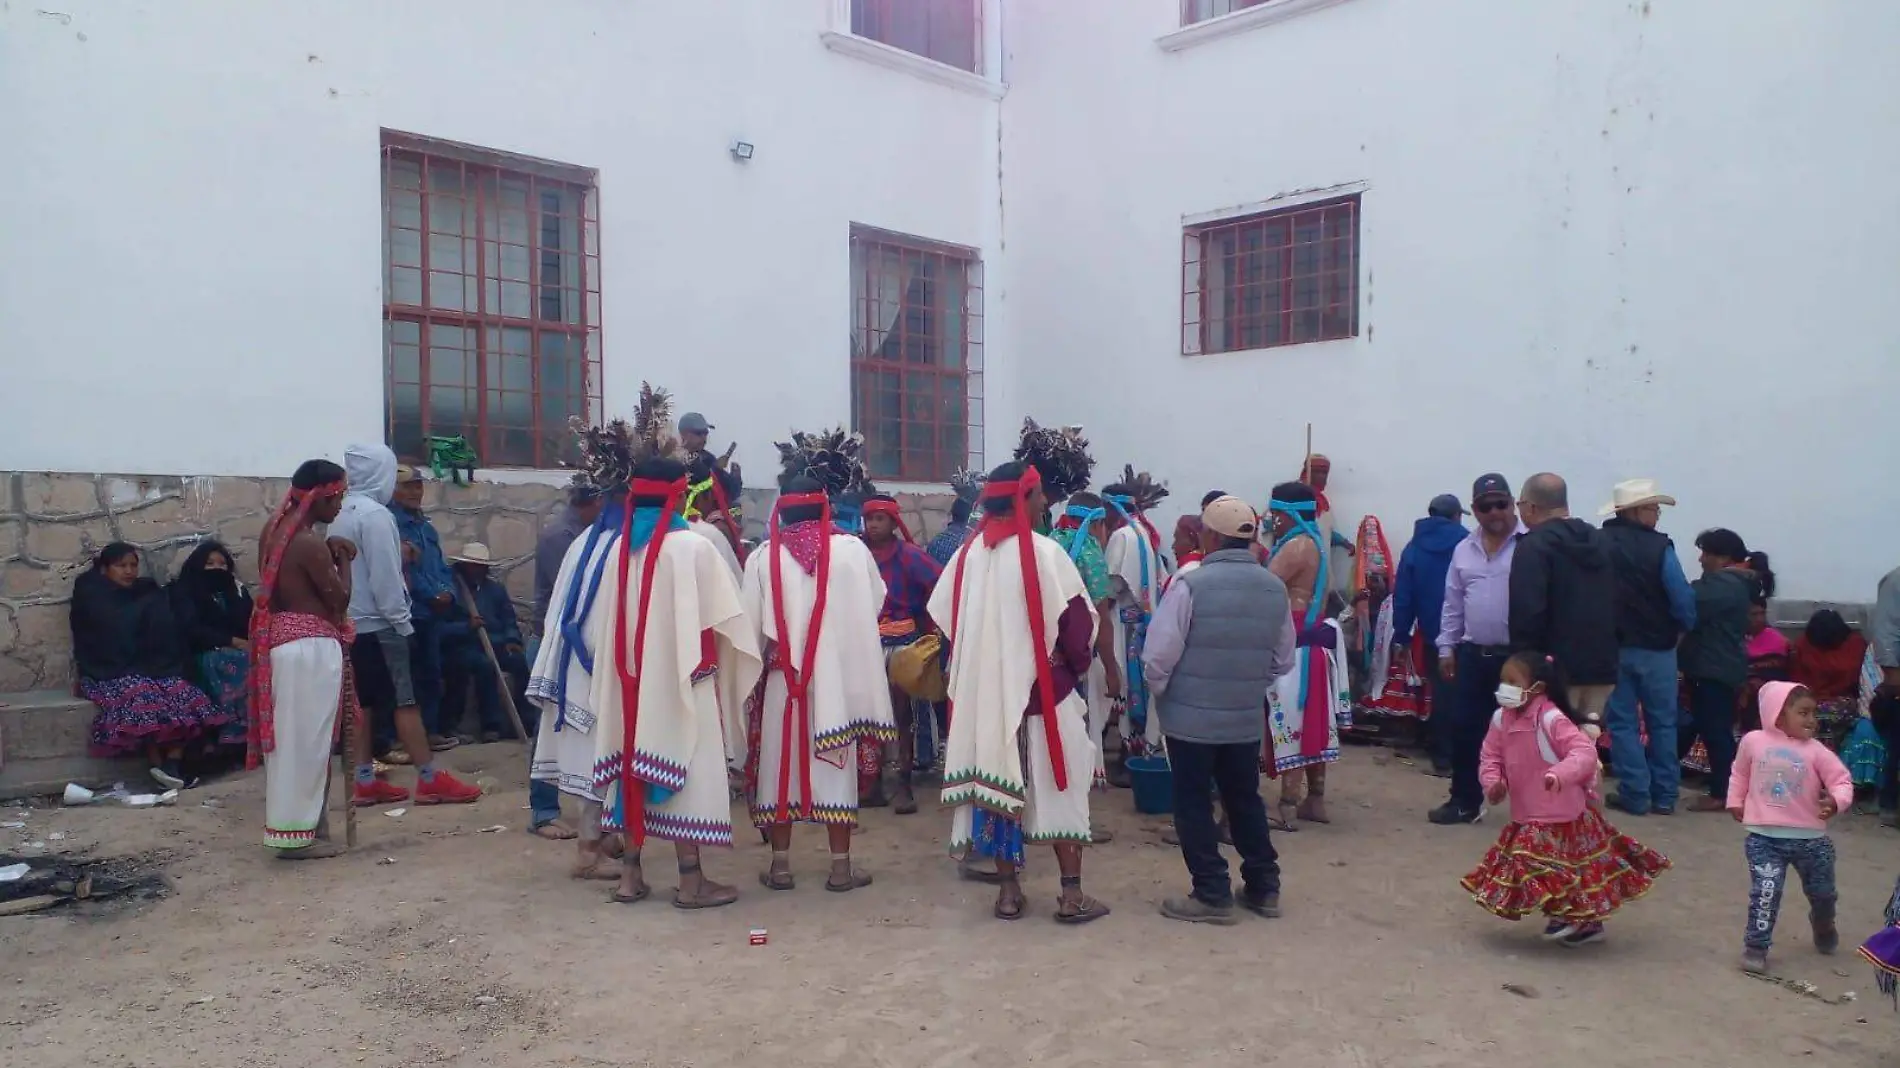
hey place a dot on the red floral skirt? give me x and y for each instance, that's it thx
(1582, 870)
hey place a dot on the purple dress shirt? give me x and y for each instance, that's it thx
(1477, 595)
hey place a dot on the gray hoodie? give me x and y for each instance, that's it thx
(379, 597)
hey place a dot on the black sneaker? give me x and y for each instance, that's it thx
(1451, 814)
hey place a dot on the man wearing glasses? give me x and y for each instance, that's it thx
(1474, 639)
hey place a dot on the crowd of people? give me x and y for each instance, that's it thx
(170, 667)
(1038, 649)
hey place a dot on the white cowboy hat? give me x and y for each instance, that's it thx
(474, 553)
(1634, 493)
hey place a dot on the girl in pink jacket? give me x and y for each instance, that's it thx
(1557, 856)
(1785, 787)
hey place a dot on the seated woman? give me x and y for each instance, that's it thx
(1768, 656)
(1827, 660)
(131, 661)
(213, 610)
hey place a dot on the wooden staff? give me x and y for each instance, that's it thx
(488, 647)
(346, 760)
(1306, 465)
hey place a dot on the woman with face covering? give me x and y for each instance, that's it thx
(130, 659)
(213, 610)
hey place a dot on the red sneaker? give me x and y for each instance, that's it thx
(379, 791)
(446, 789)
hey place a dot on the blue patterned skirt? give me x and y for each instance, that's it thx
(226, 674)
(136, 711)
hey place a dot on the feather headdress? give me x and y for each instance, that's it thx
(609, 453)
(967, 484)
(1139, 487)
(834, 457)
(1059, 455)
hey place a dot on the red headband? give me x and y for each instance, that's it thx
(890, 508)
(797, 709)
(633, 794)
(285, 521)
(995, 528)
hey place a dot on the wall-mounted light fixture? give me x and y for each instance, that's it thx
(741, 150)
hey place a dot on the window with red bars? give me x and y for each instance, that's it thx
(491, 301)
(1278, 278)
(948, 31)
(1193, 11)
(916, 355)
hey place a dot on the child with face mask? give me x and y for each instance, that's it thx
(1558, 856)
(1785, 787)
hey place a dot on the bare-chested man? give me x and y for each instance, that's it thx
(297, 677)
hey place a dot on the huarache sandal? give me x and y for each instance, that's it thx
(1086, 910)
(634, 898)
(978, 875)
(707, 895)
(1009, 906)
(779, 875)
(853, 880)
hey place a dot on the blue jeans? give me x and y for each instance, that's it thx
(1653, 778)
(1468, 718)
(544, 799)
(425, 667)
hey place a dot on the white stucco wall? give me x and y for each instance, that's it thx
(190, 208)
(1607, 239)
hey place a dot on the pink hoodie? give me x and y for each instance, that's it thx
(1511, 753)
(1778, 781)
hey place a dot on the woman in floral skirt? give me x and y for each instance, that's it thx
(1557, 856)
(131, 663)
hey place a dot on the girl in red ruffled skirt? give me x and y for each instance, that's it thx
(1558, 856)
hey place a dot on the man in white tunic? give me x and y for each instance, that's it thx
(676, 655)
(1021, 631)
(812, 595)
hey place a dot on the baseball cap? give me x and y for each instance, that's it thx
(407, 473)
(1492, 485)
(1446, 506)
(694, 423)
(1231, 517)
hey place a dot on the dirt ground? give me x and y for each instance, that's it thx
(437, 943)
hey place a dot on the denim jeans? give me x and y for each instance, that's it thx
(1469, 718)
(1768, 863)
(425, 667)
(544, 798)
(1652, 778)
(1199, 769)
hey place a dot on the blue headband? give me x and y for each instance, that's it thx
(1086, 516)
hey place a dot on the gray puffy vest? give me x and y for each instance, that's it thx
(1218, 692)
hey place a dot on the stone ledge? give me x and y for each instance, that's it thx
(51, 525)
(42, 724)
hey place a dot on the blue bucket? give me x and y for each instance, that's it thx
(1154, 784)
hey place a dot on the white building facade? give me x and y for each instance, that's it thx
(1602, 238)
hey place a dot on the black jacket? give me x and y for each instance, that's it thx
(1643, 618)
(1717, 649)
(1563, 600)
(119, 632)
(211, 608)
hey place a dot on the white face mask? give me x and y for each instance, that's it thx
(1510, 696)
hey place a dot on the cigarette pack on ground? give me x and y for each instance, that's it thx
(759, 936)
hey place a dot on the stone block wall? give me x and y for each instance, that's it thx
(51, 525)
